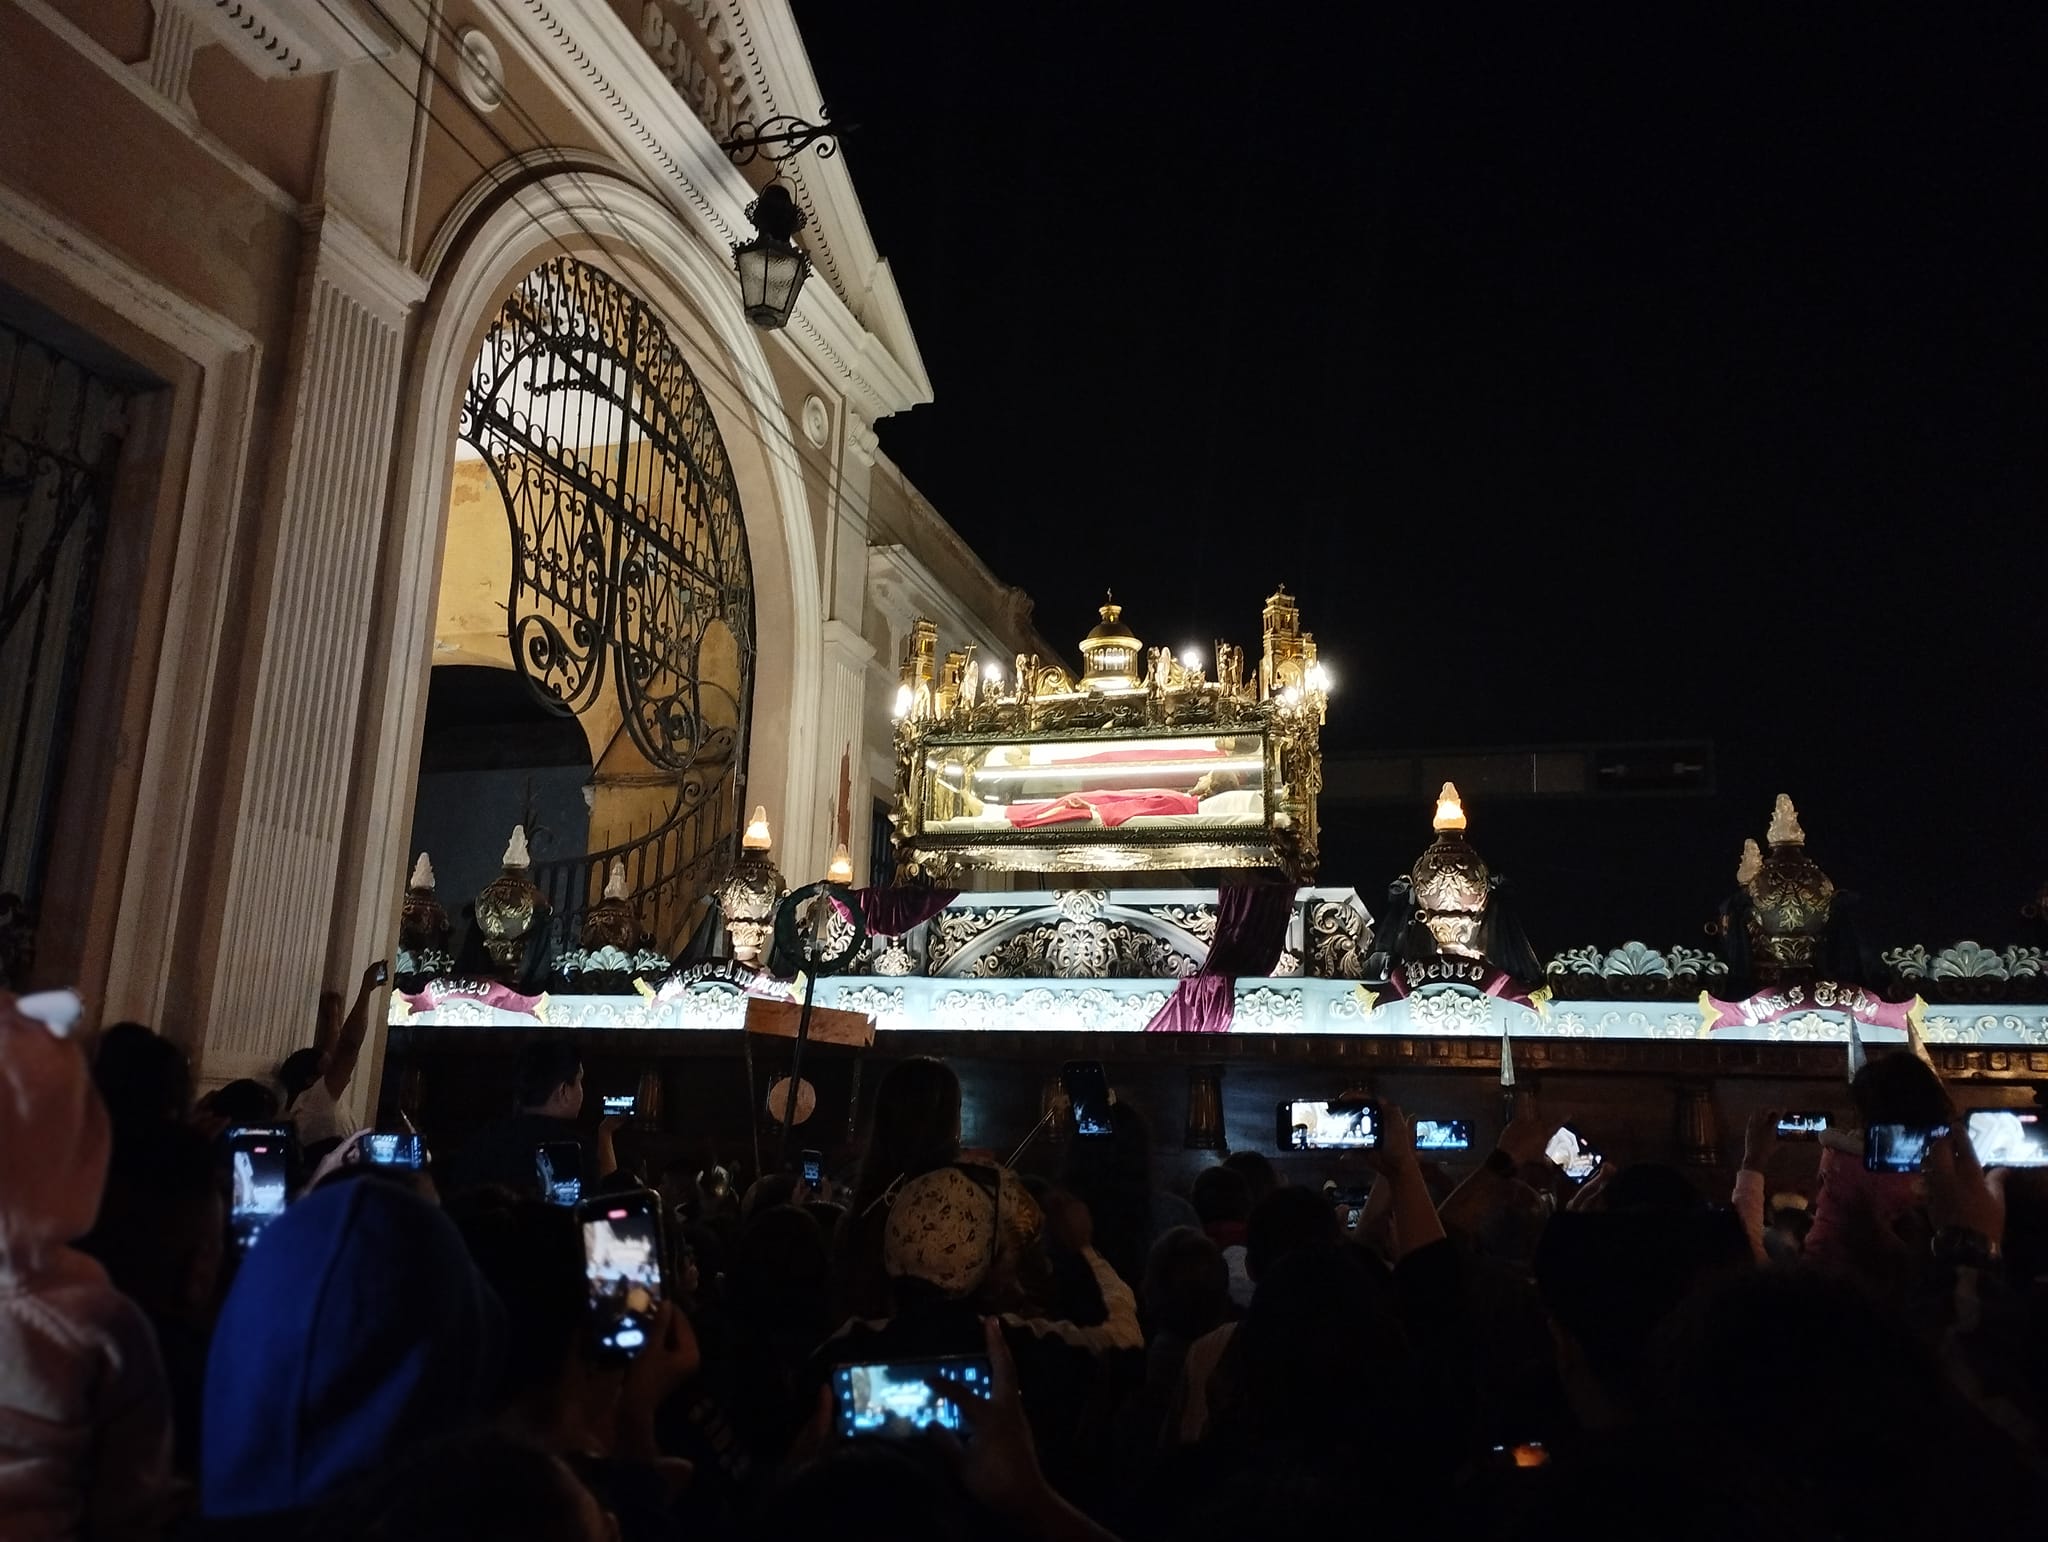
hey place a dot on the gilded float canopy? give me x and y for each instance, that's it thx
(1147, 763)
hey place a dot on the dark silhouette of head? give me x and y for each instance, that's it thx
(1187, 1285)
(551, 1079)
(1258, 1171)
(1651, 1188)
(143, 1078)
(531, 1254)
(301, 1068)
(916, 1125)
(1284, 1222)
(244, 1102)
(1899, 1088)
(897, 1489)
(1221, 1194)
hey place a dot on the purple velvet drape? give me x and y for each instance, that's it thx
(892, 912)
(1251, 931)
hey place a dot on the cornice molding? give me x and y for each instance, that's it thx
(617, 87)
(905, 588)
(279, 39)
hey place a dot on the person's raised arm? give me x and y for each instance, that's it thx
(998, 1464)
(1758, 1139)
(340, 1062)
(1471, 1202)
(1071, 1225)
(607, 1144)
(1416, 1224)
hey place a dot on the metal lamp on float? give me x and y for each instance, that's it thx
(772, 267)
(752, 891)
(1451, 882)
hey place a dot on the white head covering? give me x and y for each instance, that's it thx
(941, 1230)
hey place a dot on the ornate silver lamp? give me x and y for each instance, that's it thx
(752, 891)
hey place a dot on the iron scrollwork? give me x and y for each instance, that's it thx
(782, 137)
(629, 550)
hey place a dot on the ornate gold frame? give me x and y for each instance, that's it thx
(949, 704)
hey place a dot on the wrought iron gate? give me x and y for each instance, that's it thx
(60, 438)
(629, 557)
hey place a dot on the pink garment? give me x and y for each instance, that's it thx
(1113, 807)
(85, 1423)
(1845, 1187)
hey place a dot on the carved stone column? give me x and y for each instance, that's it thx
(308, 635)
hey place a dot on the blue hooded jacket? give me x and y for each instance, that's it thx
(357, 1328)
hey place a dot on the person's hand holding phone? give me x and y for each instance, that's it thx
(1524, 1138)
(1960, 1193)
(1395, 1153)
(670, 1358)
(607, 1149)
(1760, 1138)
(998, 1465)
(1588, 1196)
(377, 973)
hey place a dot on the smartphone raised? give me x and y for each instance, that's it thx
(1573, 1154)
(1443, 1135)
(622, 1266)
(1898, 1148)
(559, 1166)
(1322, 1124)
(621, 1104)
(812, 1165)
(1802, 1126)
(395, 1148)
(2008, 1137)
(893, 1397)
(259, 1170)
(1087, 1089)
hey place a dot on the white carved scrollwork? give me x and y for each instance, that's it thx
(1266, 1010)
(1451, 1011)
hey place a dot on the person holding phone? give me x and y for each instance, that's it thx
(548, 1110)
(315, 1079)
(1898, 1090)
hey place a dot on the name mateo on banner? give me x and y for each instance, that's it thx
(491, 994)
(1771, 1006)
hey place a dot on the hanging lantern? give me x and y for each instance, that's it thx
(772, 267)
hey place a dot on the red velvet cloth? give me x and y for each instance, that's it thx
(1251, 931)
(1114, 807)
(892, 912)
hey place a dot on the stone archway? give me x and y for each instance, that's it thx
(693, 290)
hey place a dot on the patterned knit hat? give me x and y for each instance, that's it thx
(941, 1230)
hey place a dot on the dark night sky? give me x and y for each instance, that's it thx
(1590, 372)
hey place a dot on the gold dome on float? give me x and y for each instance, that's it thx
(1110, 653)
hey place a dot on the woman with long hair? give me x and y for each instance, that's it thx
(915, 1128)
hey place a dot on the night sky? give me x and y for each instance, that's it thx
(1589, 372)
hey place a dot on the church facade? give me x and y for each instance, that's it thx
(349, 347)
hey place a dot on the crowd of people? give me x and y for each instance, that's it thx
(412, 1352)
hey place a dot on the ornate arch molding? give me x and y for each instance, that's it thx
(629, 549)
(523, 227)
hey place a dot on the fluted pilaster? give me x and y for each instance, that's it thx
(287, 837)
